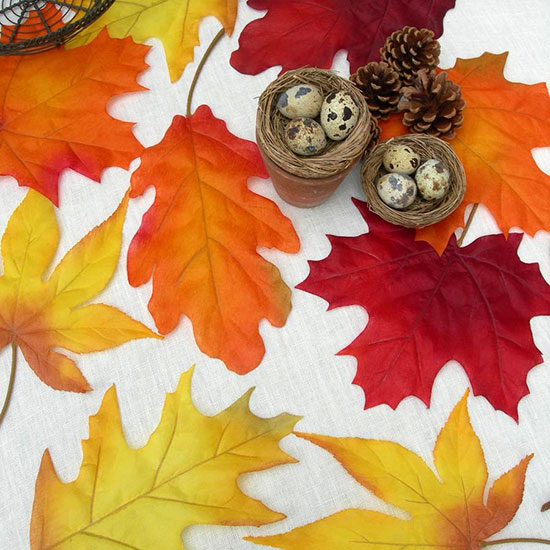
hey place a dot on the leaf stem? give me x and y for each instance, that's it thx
(467, 226)
(204, 59)
(10, 382)
(483, 544)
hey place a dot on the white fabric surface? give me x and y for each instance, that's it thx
(300, 372)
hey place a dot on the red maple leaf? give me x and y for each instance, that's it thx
(296, 33)
(473, 304)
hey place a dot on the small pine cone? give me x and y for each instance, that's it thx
(410, 50)
(381, 86)
(433, 105)
(374, 131)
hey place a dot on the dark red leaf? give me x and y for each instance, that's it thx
(472, 304)
(296, 33)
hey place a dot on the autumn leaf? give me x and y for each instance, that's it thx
(174, 22)
(199, 240)
(42, 315)
(444, 511)
(503, 122)
(294, 34)
(185, 475)
(434, 309)
(60, 121)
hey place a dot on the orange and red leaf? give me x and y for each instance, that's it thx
(199, 240)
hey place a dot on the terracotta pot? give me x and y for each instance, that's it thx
(302, 192)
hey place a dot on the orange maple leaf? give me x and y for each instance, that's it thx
(199, 240)
(33, 24)
(444, 511)
(60, 121)
(503, 121)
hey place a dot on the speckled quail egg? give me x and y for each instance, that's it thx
(305, 137)
(339, 115)
(433, 179)
(401, 159)
(396, 190)
(301, 101)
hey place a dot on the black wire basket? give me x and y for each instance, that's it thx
(31, 26)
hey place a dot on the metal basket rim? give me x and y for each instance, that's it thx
(59, 36)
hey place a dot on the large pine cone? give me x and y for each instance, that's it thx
(410, 50)
(433, 105)
(381, 86)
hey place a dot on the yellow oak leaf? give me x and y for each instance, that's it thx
(447, 510)
(41, 315)
(144, 498)
(174, 22)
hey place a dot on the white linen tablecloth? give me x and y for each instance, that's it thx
(300, 373)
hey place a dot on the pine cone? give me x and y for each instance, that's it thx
(410, 50)
(381, 86)
(433, 105)
(374, 131)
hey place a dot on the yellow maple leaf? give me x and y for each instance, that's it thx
(445, 511)
(40, 315)
(174, 22)
(144, 498)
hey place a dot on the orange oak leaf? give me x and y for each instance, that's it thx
(503, 122)
(143, 499)
(60, 121)
(43, 315)
(445, 511)
(199, 240)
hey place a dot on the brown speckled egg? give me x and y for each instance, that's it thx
(433, 180)
(300, 101)
(305, 137)
(396, 190)
(401, 159)
(339, 115)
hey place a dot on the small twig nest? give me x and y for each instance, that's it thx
(338, 156)
(421, 212)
